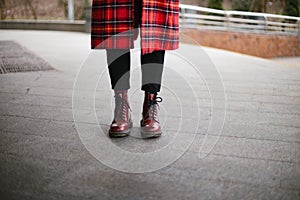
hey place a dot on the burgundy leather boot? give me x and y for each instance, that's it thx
(150, 126)
(122, 122)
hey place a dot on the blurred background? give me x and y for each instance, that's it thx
(46, 9)
(263, 28)
(58, 9)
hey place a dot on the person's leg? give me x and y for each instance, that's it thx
(137, 13)
(118, 61)
(152, 68)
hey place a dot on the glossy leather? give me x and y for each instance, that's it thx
(150, 126)
(122, 122)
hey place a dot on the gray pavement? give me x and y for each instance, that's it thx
(257, 155)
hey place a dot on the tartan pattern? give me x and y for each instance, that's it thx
(114, 19)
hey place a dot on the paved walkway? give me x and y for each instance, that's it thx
(256, 157)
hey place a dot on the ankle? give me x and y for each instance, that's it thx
(120, 91)
(155, 93)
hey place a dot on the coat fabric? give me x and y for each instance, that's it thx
(113, 25)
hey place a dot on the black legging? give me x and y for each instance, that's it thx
(119, 69)
(118, 61)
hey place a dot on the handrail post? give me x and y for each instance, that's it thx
(71, 10)
(298, 22)
(182, 10)
(227, 16)
(266, 23)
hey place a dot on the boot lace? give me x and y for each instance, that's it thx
(121, 108)
(153, 108)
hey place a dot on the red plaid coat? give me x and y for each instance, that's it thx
(114, 19)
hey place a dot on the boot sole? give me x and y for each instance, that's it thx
(120, 134)
(150, 134)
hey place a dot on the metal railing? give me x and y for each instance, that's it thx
(207, 18)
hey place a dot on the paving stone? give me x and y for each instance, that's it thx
(42, 147)
(61, 92)
(95, 181)
(282, 151)
(290, 93)
(27, 177)
(8, 97)
(261, 131)
(278, 119)
(280, 108)
(228, 169)
(38, 79)
(294, 87)
(40, 100)
(290, 176)
(20, 194)
(248, 192)
(247, 148)
(13, 89)
(276, 99)
(51, 113)
(38, 127)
